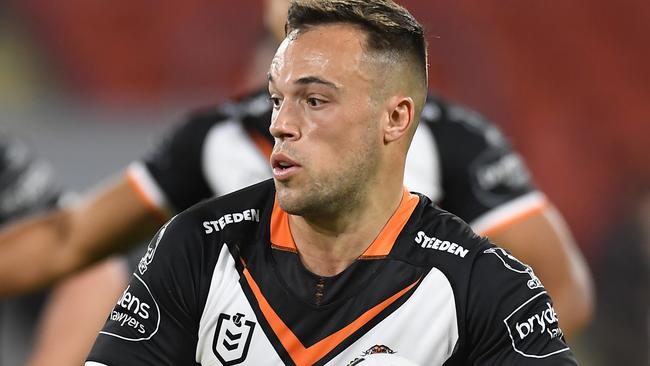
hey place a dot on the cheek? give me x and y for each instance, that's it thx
(338, 132)
(342, 122)
(337, 137)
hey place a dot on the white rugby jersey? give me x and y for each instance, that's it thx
(457, 158)
(222, 284)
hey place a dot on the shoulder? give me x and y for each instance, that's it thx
(199, 233)
(464, 136)
(434, 237)
(442, 115)
(504, 312)
(478, 168)
(247, 109)
(251, 110)
(510, 315)
(451, 123)
(234, 213)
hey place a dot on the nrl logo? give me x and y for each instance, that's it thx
(232, 338)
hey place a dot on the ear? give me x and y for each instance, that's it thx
(400, 118)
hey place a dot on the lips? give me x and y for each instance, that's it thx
(283, 166)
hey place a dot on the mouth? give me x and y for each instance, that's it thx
(283, 166)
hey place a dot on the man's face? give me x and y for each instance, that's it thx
(325, 120)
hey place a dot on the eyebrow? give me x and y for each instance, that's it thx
(308, 80)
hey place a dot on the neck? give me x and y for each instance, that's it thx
(328, 244)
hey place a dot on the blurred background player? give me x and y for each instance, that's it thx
(28, 186)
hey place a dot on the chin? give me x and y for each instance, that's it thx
(297, 204)
(303, 199)
(288, 199)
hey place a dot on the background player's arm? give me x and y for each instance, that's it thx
(542, 240)
(490, 187)
(42, 249)
(76, 311)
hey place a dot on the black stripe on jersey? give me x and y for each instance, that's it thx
(263, 322)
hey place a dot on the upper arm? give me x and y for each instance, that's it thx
(543, 240)
(155, 320)
(92, 294)
(540, 239)
(511, 319)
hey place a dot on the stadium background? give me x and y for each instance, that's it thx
(90, 84)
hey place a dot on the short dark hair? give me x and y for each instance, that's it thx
(390, 28)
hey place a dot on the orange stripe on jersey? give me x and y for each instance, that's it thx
(383, 244)
(282, 239)
(261, 142)
(280, 232)
(156, 211)
(304, 356)
(534, 210)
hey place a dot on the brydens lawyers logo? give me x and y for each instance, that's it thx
(136, 316)
(232, 338)
(534, 330)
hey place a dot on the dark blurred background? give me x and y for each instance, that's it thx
(90, 83)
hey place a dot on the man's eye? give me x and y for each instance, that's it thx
(275, 101)
(314, 102)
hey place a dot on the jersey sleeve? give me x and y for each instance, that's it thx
(171, 177)
(155, 320)
(510, 317)
(484, 181)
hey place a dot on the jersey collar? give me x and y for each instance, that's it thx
(282, 239)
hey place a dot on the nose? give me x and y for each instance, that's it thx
(284, 123)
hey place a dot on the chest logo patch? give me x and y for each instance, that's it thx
(232, 338)
(380, 355)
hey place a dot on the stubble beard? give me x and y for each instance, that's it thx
(329, 193)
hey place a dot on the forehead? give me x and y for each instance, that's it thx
(334, 52)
